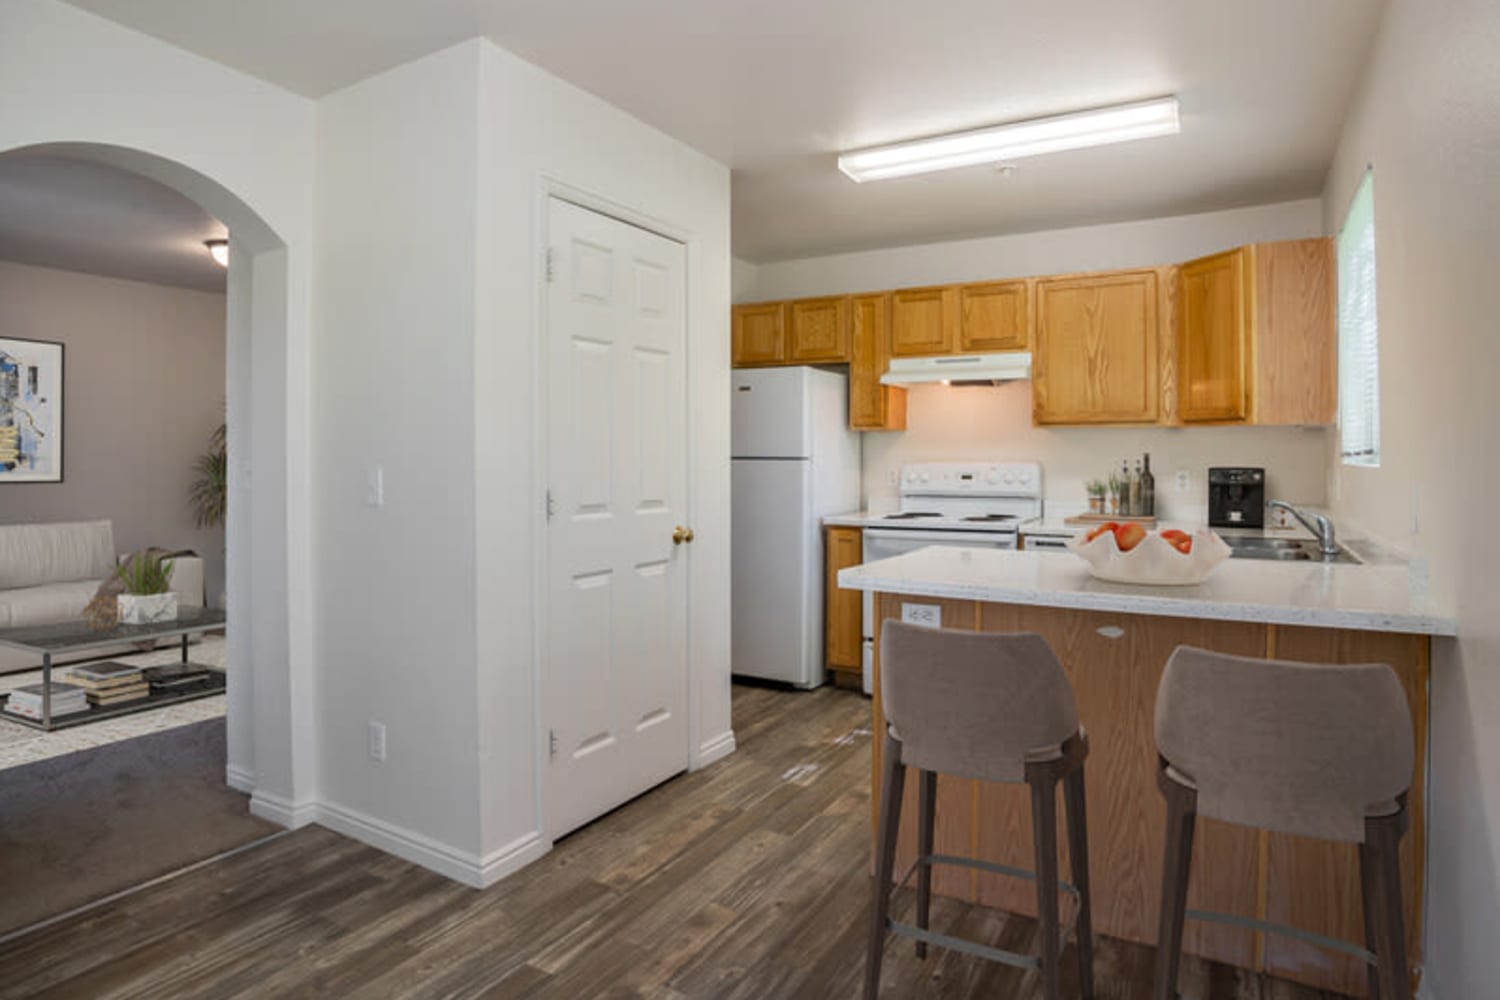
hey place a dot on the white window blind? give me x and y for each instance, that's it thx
(1359, 334)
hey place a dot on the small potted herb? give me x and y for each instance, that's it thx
(1095, 488)
(147, 598)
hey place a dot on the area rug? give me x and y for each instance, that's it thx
(85, 825)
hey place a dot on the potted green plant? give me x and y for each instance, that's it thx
(1095, 488)
(148, 598)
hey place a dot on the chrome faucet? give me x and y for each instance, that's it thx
(1320, 526)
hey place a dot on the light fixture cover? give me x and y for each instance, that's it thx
(1012, 141)
(220, 251)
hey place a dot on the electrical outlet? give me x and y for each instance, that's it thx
(1184, 480)
(376, 739)
(930, 615)
(375, 486)
(894, 477)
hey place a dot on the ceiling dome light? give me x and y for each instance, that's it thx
(1014, 140)
(220, 251)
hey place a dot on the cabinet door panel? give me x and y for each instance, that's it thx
(818, 330)
(993, 316)
(845, 644)
(923, 321)
(872, 406)
(1213, 315)
(759, 334)
(1296, 340)
(1095, 360)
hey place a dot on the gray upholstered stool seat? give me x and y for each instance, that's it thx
(992, 707)
(1314, 750)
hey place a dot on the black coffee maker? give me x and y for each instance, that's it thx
(1236, 498)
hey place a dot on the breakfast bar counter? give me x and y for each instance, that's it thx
(1114, 641)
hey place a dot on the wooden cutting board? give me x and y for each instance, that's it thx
(1144, 521)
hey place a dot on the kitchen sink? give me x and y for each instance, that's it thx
(1283, 549)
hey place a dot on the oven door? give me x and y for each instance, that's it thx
(882, 543)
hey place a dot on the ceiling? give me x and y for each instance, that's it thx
(79, 216)
(774, 88)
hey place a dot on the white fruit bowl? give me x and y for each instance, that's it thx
(1154, 561)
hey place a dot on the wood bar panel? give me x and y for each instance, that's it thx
(1114, 663)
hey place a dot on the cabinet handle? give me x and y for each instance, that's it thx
(1110, 631)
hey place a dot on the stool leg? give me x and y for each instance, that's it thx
(892, 787)
(926, 820)
(1383, 836)
(1043, 782)
(1078, 854)
(1182, 805)
(1369, 886)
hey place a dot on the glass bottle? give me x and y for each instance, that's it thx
(1135, 491)
(1148, 488)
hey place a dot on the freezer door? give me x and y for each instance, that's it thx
(776, 569)
(770, 413)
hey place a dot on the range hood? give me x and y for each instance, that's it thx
(960, 369)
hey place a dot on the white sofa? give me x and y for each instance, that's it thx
(50, 572)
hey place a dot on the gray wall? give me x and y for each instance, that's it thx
(144, 388)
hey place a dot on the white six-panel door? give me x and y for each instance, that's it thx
(614, 662)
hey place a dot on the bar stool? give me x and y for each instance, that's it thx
(997, 708)
(1314, 750)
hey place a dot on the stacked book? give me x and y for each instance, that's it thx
(110, 683)
(67, 699)
(177, 676)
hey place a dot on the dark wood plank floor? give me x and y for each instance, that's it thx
(745, 880)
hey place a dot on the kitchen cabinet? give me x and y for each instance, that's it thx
(1096, 354)
(1256, 340)
(993, 316)
(1213, 331)
(842, 623)
(872, 406)
(1295, 370)
(818, 330)
(758, 334)
(924, 321)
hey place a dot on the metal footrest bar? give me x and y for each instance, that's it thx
(987, 866)
(967, 947)
(1251, 923)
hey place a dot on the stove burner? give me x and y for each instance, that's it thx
(991, 517)
(911, 515)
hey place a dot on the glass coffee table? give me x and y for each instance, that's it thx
(71, 637)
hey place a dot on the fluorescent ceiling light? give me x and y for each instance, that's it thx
(1121, 123)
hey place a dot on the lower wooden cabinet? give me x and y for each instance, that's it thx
(872, 406)
(843, 607)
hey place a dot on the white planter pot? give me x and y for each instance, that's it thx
(147, 609)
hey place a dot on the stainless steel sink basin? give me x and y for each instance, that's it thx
(1283, 549)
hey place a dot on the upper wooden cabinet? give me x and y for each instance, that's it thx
(993, 316)
(1095, 359)
(759, 334)
(924, 321)
(1296, 340)
(872, 406)
(818, 330)
(1255, 335)
(1213, 333)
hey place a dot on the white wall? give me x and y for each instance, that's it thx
(394, 307)
(1427, 117)
(945, 423)
(537, 129)
(244, 150)
(132, 439)
(744, 276)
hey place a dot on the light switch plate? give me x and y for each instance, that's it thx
(375, 486)
(1184, 480)
(376, 739)
(930, 615)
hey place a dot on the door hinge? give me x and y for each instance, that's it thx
(550, 272)
(551, 506)
(552, 742)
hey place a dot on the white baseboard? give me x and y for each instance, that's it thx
(283, 812)
(239, 778)
(714, 749)
(461, 866)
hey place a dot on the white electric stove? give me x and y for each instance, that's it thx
(973, 504)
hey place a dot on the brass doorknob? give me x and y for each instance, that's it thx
(681, 534)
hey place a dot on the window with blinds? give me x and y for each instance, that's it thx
(1359, 335)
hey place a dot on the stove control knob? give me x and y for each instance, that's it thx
(924, 477)
(1010, 479)
(911, 477)
(993, 476)
(1025, 479)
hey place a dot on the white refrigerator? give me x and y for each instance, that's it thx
(794, 461)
